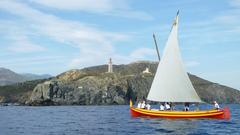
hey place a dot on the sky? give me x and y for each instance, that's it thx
(53, 36)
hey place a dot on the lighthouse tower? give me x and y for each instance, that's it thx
(110, 68)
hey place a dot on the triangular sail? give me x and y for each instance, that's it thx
(171, 83)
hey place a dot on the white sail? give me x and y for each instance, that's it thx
(171, 83)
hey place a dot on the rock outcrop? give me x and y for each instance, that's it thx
(18, 93)
(93, 86)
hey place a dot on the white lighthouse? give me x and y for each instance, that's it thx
(110, 68)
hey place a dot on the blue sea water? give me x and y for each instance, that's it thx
(105, 120)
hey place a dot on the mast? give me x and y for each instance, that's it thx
(155, 41)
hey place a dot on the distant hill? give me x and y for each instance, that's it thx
(8, 77)
(29, 76)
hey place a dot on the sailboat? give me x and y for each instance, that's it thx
(172, 84)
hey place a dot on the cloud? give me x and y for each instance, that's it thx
(18, 38)
(95, 45)
(20, 61)
(192, 63)
(36, 64)
(82, 61)
(220, 29)
(224, 23)
(84, 5)
(64, 31)
(141, 53)
(234, 3)
(228, 19)
(25, 46)
(106, 7)
(86, 38)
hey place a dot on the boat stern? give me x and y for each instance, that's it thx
(227, 114)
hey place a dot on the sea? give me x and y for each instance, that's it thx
(106, 120)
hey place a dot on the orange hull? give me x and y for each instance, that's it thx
(216, 114)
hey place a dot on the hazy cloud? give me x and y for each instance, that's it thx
(235, 3)
(120, 8)
(95, 45)
(191, 63)
(141, 53)
(25, 46)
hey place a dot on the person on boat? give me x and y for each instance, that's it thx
(148, 107)
(171, 106)
(143, 104)
(167, 106)
(139, 104)
(216, 105)
(186, 107)
(162, 107)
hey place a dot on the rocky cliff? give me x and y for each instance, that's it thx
(19, 92)
(93, 86)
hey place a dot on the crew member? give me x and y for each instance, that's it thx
(162, 107)
(143, 104)
(186, 107)
(167, 106)
(216, 105)
(139, 105)
(148, 106)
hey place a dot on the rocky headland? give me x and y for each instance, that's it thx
(94, 86)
